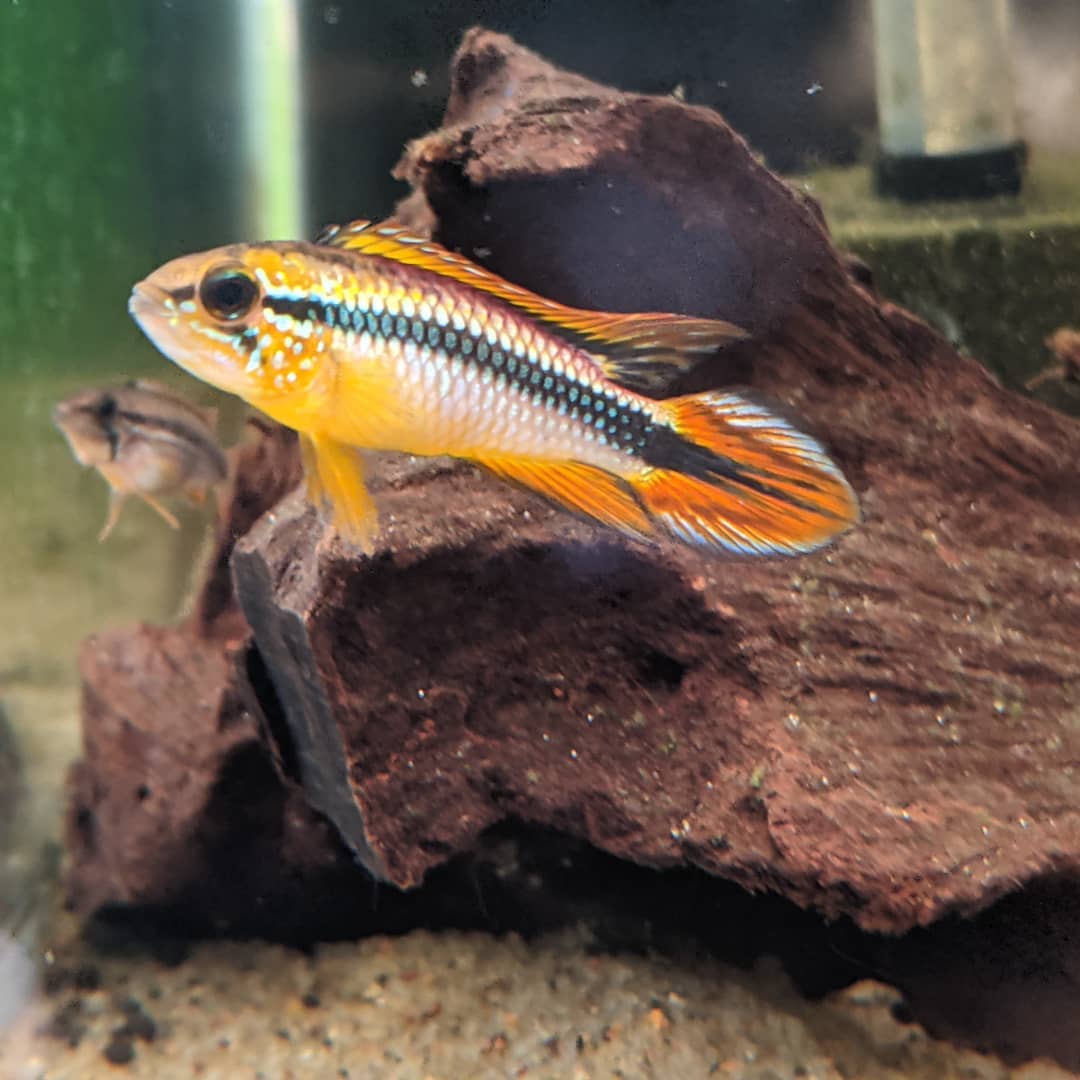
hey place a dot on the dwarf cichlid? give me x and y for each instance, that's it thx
(374, 339)
(145, 441)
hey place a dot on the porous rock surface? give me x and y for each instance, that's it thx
(887, 730)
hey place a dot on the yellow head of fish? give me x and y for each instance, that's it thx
(245, 318)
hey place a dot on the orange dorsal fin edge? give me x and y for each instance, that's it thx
(639, 350)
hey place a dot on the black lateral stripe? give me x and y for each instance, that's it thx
(301, 310)
(597, 407)
(668, 449)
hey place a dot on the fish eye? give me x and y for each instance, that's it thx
(228, 292)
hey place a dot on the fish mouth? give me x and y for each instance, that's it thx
(147, 299)
(157, 312)
(154, 311)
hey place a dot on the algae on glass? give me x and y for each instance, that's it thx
(76, 229)
(997, 276)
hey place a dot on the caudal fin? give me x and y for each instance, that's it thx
(728, 473)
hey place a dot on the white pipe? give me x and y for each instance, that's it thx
(271, 96)
(944, 82)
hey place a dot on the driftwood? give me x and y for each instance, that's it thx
(887, 730)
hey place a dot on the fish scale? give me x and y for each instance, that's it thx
(503, 363)
(376, 339)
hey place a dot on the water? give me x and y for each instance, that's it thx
(74, 222)
(133, 131)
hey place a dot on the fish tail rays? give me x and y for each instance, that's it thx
(730, 474)
(720, 472)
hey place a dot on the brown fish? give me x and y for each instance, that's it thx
(1064, 343)
(146, 441)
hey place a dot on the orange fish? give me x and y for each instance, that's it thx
(374, 339)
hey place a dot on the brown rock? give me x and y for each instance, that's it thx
(617, 202)
(263, 467)
(178, 804)
(885, 730)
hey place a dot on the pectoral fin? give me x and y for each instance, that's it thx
(334, 474)
(167, 515)
(116, 503)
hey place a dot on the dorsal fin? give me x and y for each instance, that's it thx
(643, 351)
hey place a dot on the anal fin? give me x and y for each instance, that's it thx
(581, 488)
(334, 474)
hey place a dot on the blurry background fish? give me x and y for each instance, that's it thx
(1059, 382)
(145, 441)
(1064, 343)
